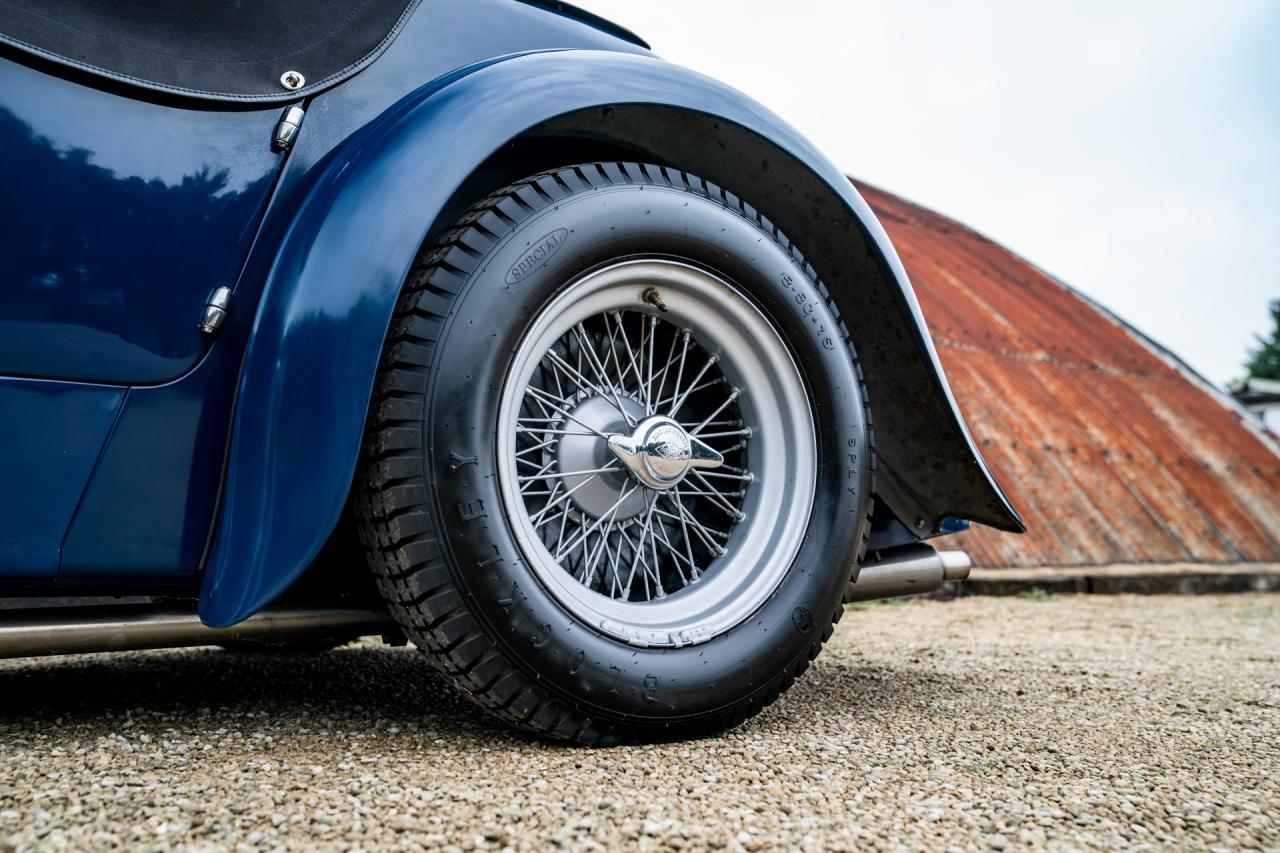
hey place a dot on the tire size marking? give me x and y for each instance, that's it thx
(517, 595)
(617, 676)
(852, 470)
(471, 510)
(457, 460)
(808, 307)
(489, 561)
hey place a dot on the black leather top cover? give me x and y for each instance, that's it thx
(224, 50)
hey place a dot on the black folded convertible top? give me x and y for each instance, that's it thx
(226, 50)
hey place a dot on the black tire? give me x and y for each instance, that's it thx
(430, 514)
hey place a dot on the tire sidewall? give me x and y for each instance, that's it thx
(485, 328)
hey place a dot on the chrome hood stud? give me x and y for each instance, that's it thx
(660, 452)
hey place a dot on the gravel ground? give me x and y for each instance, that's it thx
(980, 723)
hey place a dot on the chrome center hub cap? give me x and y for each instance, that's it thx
(659, 452)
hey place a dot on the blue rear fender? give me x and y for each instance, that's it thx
(330, 292)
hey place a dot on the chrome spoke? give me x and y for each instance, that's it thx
(719, 498)
(535, 392)
(637, 556)
(570, 372)
(598, 368)
(746, 478)
(696, 526)
(541, 431)
(688, 545)
(589, 571)
(648, 385)
(719, 380)
(534, 449)
(631, 356)
(720, 408)
(745, 431)
(684, 352)
(666, 368)
(675, 407)
(689, 425)
(568, 494)
(615, 555)
(705, 534)
(653, 550)
(609, 513)
(561, 474)
(662, 539)
(536, 477)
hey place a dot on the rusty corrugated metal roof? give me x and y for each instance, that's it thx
(1113, 451)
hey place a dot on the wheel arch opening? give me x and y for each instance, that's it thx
(927, 468)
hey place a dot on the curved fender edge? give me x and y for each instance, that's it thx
(310, 364)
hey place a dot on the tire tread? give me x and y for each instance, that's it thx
(396, 525)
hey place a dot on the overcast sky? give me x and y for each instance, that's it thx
(1129, 147)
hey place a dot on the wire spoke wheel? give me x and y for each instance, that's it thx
(656, 452)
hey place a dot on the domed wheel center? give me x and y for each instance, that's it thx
(659, 453)
(597, 492)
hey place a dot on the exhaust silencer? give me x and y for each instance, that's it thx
(908, 570)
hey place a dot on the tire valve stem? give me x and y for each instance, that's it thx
(655, 299)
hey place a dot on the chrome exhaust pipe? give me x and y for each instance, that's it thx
(76, 630)
(908, 570)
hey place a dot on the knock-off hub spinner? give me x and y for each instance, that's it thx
(659, 453)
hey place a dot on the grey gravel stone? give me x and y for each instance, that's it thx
(1066, 723)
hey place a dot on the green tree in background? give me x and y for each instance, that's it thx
(1264, 362)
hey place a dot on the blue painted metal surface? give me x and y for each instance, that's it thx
(50, 437)
(145, 515)
(120, 217)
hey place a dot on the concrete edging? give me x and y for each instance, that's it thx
(1156, 579)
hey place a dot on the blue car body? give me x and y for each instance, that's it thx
(139, 455)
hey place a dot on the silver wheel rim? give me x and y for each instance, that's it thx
(656, 453)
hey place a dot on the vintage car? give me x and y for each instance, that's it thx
(467, 322)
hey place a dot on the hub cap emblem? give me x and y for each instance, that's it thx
(660, 452)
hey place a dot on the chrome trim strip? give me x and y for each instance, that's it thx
(77, 630)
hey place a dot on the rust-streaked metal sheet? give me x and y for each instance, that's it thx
(1113, 451)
